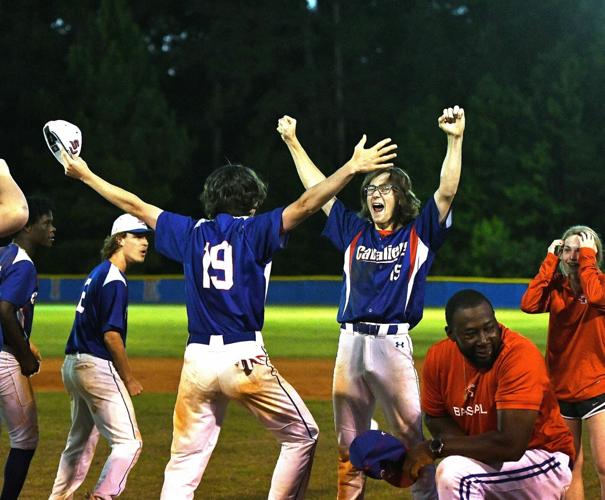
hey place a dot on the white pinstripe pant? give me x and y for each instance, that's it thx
(100, 405)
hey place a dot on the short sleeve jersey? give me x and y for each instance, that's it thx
(103, 307)
(516, 381)
(384, 277)
(227, 264)
(18, 285)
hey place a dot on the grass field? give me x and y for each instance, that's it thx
(242, 464)
(297, 332)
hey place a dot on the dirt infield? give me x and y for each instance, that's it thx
(312, 378)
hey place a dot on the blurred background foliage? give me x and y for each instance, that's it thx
(165, 92)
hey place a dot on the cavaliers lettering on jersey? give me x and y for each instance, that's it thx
(384, 276)
(227, 263)
(103, 307)
(472, 397)
(18, 285)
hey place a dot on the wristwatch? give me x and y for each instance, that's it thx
(436, 447)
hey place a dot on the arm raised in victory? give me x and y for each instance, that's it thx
(363, 161)
(308, 172)
(124, 200)
(452, 122)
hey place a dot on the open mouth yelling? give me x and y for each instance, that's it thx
(377, 207)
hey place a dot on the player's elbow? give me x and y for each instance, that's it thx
(13, 218)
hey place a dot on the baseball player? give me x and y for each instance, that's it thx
(490, 406)
(13, 205)
(96, 372)
(388, 250)
(19, 357)
(227, 261)
(571, 288)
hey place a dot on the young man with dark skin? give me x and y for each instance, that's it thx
(489, 404)
(19, 358)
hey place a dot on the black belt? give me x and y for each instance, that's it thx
(228, 338)
(374, 328)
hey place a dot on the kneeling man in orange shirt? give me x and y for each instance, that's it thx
(489, 404)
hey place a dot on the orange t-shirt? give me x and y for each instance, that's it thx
(516, 381)
(575, 354)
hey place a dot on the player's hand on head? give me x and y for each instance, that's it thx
(587, 240)
(377, 157)
(74, 167)
(134, 387)
(286, 126)
(452, 121)
(555, 247)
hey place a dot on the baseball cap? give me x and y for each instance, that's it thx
(127, 223)
(61, 135)
(376, 452)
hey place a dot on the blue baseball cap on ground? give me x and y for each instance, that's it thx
(373, 451)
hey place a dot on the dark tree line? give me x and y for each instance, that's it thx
(164, 92)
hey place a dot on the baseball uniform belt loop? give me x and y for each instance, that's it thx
(376, 329)
(225, 338)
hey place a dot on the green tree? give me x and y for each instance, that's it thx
(130, 134)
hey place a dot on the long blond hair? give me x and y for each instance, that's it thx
(576, 230)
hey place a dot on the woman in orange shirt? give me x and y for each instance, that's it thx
(571, 288)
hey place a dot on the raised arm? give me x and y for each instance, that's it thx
(452, 122)
(308, 172)
(13, 207)
(363, 160)
(591, 277)
(124, 200)
(536, 298)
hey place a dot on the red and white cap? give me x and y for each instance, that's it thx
(62, 136)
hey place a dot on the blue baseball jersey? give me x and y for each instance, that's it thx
(385, 276)
(103, 307)
(18, 285)
(227, 264)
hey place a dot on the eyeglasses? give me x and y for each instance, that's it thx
(382, 189)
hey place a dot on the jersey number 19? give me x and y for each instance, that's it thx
(219, 258)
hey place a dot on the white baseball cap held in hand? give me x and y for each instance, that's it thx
(62, 136)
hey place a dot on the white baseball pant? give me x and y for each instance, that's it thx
(214, 374)
(100, 405)
(371, 368)
(17, 404)
(538, 475)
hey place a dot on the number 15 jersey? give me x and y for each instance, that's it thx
(227, 264)
(385, 276)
